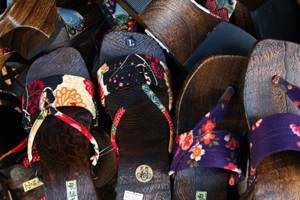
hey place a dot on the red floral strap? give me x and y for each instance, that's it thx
(119, 114)
(47, 108)
(35, 159)
(155, 100)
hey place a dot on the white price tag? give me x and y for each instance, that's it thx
(71, 190)
(128, 195)
(31, 184)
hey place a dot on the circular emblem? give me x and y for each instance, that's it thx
(144, 173)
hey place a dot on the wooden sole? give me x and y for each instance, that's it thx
(65, 157)
(278, 176)
(27, 26)
(143, 138)
(202, 89)
(105, 172)
(163, 18)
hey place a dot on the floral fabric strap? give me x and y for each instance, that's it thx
(267, 137)
(131, 71)
(43, 97)
(222, 9)
(205, 146)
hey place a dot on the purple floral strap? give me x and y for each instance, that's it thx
(292, 91)
(268, 137)
(204, 146)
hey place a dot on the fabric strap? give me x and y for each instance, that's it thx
(135, 71)
(267, 137)
(205, 146)
(154, 99)
(43, 97)
(47, 108)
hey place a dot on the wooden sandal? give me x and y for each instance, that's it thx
(14, 177)
(273, 117)
(28, 26)
(207, 163)
(192, 23)
(135, 91)
(58, 111)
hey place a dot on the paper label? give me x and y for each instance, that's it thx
(201, 195)
(31, 184)
(128, 195)
(71, 190)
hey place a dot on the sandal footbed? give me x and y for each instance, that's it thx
(163, 18)
(202, 91)
(64, 151)
(278, 175)
(143, 138)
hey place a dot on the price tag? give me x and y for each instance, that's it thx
(201, 195)
(31, 184)
(128, 195)
(71, 190)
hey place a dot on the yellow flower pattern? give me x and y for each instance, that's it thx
(68, 97)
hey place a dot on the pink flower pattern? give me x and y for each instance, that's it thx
(295, 129)
(186, 140)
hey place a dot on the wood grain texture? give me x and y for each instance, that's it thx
(105, 172)
(143, 138)
(178, 24)
(202, 89)
(65, 155)
(278, 176)
(270, 57)
(28, 24)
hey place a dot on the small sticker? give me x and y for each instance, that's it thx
(128, 195)
(201, 195)
(144, 173)
(71, 190)
(31, 184)
(130, 42)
